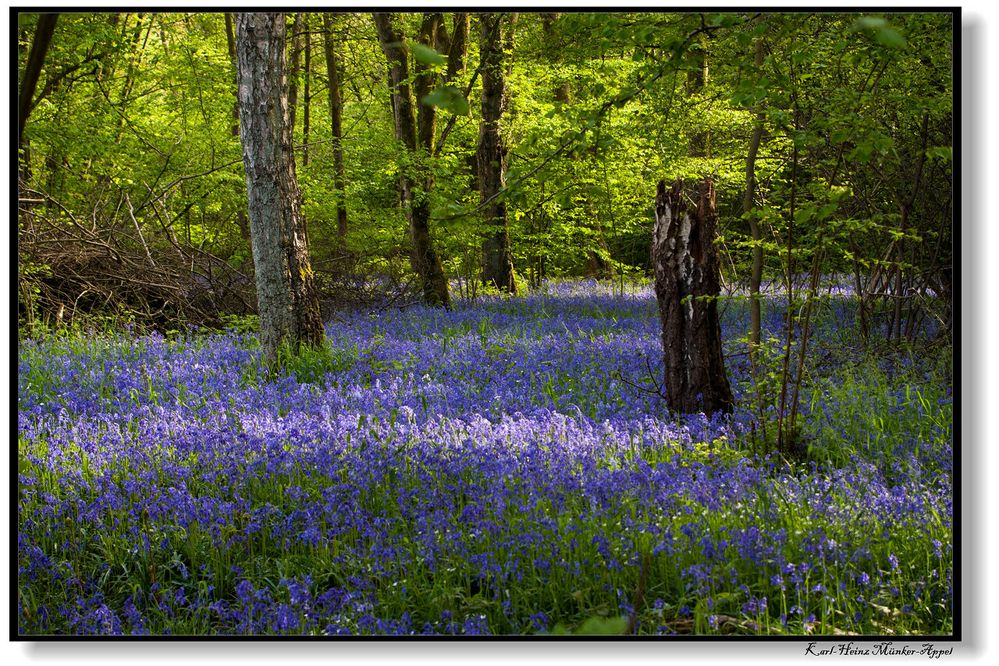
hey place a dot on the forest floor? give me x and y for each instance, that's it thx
(501, 468)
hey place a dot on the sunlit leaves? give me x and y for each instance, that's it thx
(448, 98)
(427, 55)
(880, 30)
(942, 153)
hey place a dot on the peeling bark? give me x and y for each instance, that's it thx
(687, 287)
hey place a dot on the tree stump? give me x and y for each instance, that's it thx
(687, 287)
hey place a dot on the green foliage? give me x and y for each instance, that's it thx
(601, 106)
(876, 416)
(241, 323)
(879, 29)
(595, 626)
(427, 55)
(448, 98)
(312, 365)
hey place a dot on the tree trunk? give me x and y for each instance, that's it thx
(895, 330)
(286, 297)
(33, 70)
(497, 260)
(336, 125)
(687, 288)
(294, 71)
(426, 117)
(426, 263)
(230, 37)
(307, 92)
(458, 48)
(748, 202)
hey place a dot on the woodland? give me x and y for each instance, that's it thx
(476, 323)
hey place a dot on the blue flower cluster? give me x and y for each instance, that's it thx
(492, 469)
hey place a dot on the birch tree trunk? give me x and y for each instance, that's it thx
(286, 297)
(497, 260)
(687, 288)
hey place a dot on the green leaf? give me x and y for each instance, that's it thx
(722, 20)
(427, 55)
(862, 153)
(839, 135)
(878, 27)
(868, 23)
(448, 98)
(889, 37)
(945, 153)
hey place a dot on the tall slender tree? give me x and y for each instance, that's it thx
(307, 92)
(286, 297)
(414, 180)
(33, 70)
(335, 78)
(230, 35)
(748, 203)
(497, 260)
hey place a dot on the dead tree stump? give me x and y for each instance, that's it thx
(687, 287)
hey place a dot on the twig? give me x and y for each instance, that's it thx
(131, 214)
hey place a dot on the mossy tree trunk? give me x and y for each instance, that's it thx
(497, 259)
(413, 180)
(286, 297)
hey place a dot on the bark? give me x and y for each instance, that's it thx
(687, 287)
(457, 51)
(426, 263)
(33, 70)
(497, 260)
(563, 93)
(286, 297)
(294, 70)
(426, 118)
(336, 124)
(748, 202)
(509, 39)
(458, 47)
(397, 55)
(307, 93)
(230, 38)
